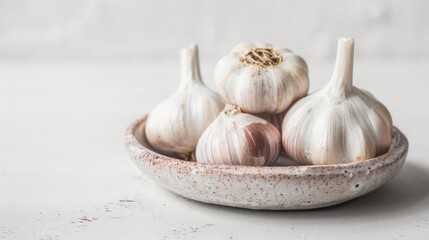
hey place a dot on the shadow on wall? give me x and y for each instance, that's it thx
(398, 197)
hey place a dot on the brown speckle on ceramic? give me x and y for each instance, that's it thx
(275, 187)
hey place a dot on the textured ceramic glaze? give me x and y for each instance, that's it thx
(273, 188)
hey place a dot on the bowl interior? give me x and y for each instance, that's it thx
(138, 131)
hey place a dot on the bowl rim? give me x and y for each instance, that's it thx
(398, 148)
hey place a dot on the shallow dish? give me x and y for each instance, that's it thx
(273, 188)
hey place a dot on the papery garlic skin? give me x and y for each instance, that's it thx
(338, 123)
(237, 138)
(176, 124)
(261, 79)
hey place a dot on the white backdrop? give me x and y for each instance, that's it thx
(75, 73)
(146, 30)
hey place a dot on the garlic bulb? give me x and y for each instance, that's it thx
(237, 138)
(176, 124)
(261, 79)
(338, 123)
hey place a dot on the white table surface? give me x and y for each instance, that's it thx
(65, 173)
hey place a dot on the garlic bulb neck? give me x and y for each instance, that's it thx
(262, 58)
(342, 79)
(190, 68)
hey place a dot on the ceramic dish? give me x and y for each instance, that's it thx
(274, 188)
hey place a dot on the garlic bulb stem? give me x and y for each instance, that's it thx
(262, 58)
(342, 79)
(190, 68)
(231, 109)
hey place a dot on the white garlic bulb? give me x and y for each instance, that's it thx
(176, 124)
(261, 79)
(237, 138)
(338, 123)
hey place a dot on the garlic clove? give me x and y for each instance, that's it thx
(237, 138)
(261, 79)
(338, 123)
(176, 123)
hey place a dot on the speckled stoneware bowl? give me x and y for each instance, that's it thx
(276, 188)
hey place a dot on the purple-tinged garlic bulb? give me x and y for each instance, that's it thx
(237, 138)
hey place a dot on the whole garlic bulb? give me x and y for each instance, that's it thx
(237, 138)
(261, 79)
(338, 123)
(176, 124)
